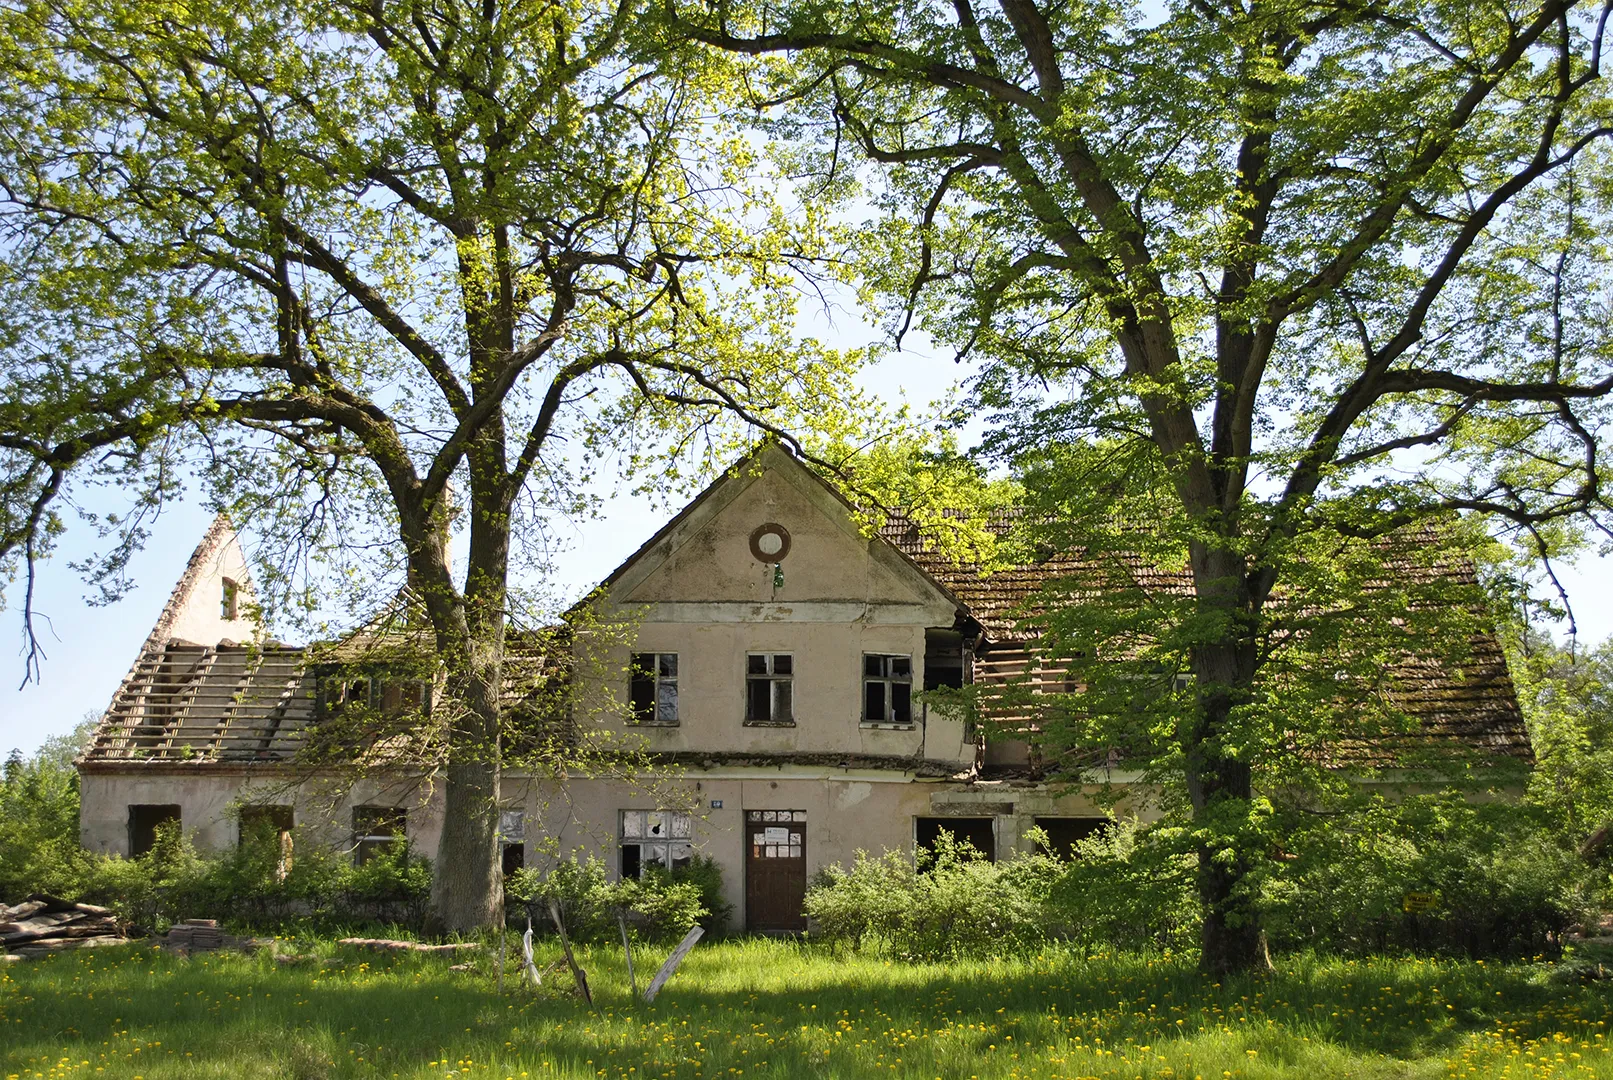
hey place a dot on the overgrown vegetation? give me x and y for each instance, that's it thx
(780, 1010)
(662, 904)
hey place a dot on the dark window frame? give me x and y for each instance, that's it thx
(369, 839)
(882, 681)
(765, 681)
(649, 675)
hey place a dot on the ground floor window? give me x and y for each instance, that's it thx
(977, 832)
(376, 829)
(144, 820)
(1064, 832)
(663, 838)
(270, 825)
(511, 840)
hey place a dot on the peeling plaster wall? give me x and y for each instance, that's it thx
(701, 593)
(209, 804)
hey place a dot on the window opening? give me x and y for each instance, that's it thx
(229, 607)
(144, 820)
(887, 689)
(663, 838)
(1064, 832)
(270, 824)
(376, 829)
(653, 688)
(512, 840)
(769, 688)
(977, 832)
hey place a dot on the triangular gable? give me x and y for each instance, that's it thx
(832, 514)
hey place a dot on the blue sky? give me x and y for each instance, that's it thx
(91, 648)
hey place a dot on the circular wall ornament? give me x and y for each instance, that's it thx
(770, 542)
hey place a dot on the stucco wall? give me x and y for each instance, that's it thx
(197, 603)
(701, 593)
(209, 802)
(846, 811)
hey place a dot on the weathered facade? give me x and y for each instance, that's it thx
(773, 676)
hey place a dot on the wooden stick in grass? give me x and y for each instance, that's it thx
(672, 962)
(565, 944)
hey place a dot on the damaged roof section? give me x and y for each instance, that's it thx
(1469, 710)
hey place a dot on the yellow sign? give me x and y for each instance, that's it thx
(1419, 901)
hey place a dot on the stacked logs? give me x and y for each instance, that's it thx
(42, 925)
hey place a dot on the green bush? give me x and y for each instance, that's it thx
(1129, 886)
(1500, 882)
(655, 907)
(951, 902)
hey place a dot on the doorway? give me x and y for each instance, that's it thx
(775, 871)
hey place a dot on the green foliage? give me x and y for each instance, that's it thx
(656, 907)
(39, 848)
(1568, 699)
(1129, 887)
(1500, 882)
(952, 902)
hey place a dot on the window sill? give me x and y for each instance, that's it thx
(870, 725)
(769, 723)
(653, 724)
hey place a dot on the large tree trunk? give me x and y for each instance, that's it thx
(1220, 786)
(467, 886)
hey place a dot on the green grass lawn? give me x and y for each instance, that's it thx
(778, 1009)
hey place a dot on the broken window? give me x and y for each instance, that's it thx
(376, 829)
(769, 688)
(388, 696)
(663, 838)
(887, 689)
(978, 833)
(270, 825)
(229, 606)
(144, 820)
(653, 688)
(394, 697)
(511, 840)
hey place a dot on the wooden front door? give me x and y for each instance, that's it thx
(775, 871)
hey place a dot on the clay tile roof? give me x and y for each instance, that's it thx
(1471, 711)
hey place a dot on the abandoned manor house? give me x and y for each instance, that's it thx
(774, 668)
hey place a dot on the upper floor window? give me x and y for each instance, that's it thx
(229, 604)
(387, 696)
(769, 688)
(653, 688)
(887, 689)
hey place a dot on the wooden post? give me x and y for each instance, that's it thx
(632, 980)
(672, 962)
(565, 944)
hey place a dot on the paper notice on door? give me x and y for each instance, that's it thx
(777, 836)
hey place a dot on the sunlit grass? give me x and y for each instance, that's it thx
(777, 1009)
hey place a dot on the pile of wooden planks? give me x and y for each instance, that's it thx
(42, 925)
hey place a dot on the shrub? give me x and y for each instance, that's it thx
(1130, 886)
(655, 907)
(951, 902)
(1500, 883)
